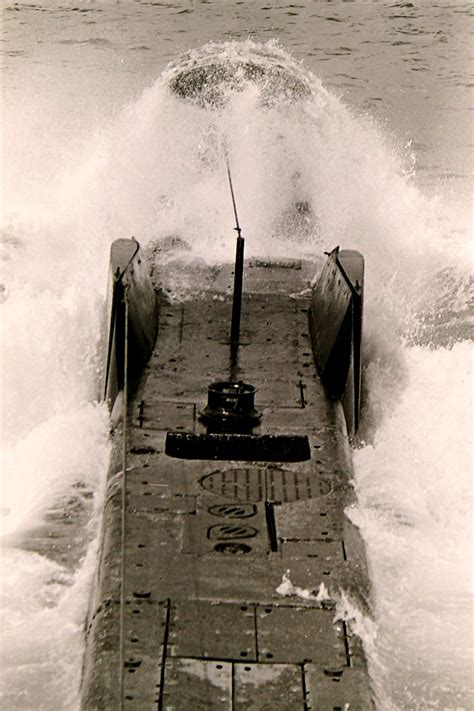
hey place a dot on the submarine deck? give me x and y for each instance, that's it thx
(194, 605)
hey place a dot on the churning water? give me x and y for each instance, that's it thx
(155, 168)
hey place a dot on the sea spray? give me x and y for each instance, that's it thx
(308, 174)
(54, 447)
(414, 485)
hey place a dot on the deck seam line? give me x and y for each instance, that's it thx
(255, 605)
(347, 648)
(123, 506)
(164, 654)
(232, 686)
(306, 706)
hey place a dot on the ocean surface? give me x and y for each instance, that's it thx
(379, 143)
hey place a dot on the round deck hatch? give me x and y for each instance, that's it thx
(272, 484)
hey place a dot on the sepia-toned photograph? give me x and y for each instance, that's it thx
(236, 308)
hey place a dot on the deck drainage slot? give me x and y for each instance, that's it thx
(238, 447)
(271, 525)
(143, 450)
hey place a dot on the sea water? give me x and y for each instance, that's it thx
(96, 147)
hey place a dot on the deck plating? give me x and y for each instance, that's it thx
(187, 611)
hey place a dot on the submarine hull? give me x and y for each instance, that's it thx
(224, 551)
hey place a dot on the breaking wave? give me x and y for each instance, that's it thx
(309, 174)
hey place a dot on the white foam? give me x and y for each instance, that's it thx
(157, 171)
(414, 485)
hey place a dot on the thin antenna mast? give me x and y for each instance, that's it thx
(238, 279)
(237, 228)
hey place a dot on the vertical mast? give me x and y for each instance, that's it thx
(238, 281)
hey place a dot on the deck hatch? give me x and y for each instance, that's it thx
(273, 484)
(238, 447)
(299, 634)
(200, 629)
(196, 684)
(268, 686)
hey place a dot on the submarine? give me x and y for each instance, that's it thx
(225, 545)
